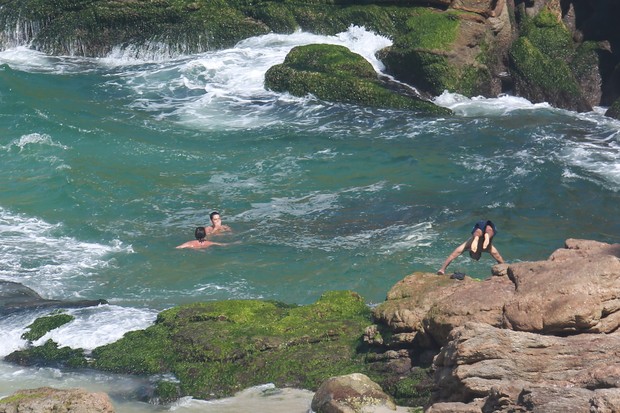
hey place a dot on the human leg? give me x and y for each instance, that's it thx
(477, 233)
(489, 233)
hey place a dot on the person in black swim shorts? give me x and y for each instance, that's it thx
(481, 240)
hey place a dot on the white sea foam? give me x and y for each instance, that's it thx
(598, 162)
(33, 139)
(97, 326)
(225, 88)
(25, 59)
(291, 206)
(595, 156)
(481, 106)
(33, 253)
(265, 398)
(92, 327)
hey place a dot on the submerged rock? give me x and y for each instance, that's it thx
(17, 297)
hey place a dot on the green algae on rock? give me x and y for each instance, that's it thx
(431, 53)
(539, 61)
(49, 354)
(614, 110)
(43, 325)
(334, 73)
(216, 349)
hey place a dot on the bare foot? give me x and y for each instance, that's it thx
(487, 239)
(474, 244)
(441, 272)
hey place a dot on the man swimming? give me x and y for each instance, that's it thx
(216, 224)
(200, 241)
(481, 240)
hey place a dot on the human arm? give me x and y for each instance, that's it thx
(458, 251)
(495, 254)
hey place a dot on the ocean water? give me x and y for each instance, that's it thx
(107, 164)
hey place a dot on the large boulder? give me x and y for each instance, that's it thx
(47, 399)
(350, 394)
(575, 291)
(423, 308)
(334, 73)
(535, 336)
(513, 371)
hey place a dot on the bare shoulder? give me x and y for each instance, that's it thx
(185, 245)
(196, 244)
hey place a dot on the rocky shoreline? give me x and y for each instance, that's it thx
(534, 336)
(565, 53)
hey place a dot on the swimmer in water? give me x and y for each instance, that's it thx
(200, 241)
(216, 224)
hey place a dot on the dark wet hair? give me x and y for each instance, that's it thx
(213, 213)
(200, 233)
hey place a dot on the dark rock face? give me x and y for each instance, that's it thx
(17, 297)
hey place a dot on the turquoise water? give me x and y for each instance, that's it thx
(108, 164)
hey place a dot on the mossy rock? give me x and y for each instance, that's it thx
(429, 54)
(430, 29)
(43, 325)
(413, 389)
(334, 73)
(93, 28)
(541, 78)
(216, 349)
(428, 71)
(49, 355)
(418, 55)
(614, 110)
(540, 64)
(549, 35)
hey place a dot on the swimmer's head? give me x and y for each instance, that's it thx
(200, 233)
(212, 214)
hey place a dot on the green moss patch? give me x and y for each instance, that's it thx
(215, 349)
(334, 73)
(49, 354)
(43, 325)
(549, 35)
(545, 76)
(429, 29)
